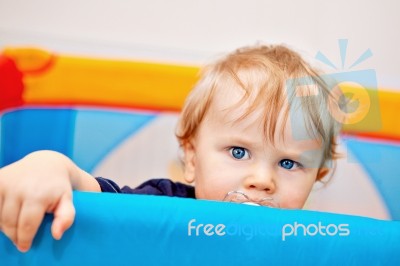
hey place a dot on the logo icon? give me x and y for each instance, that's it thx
(356, 104)
(359, 102)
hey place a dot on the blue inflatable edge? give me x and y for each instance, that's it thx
(113, 229)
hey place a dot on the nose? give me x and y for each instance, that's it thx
(261, 178)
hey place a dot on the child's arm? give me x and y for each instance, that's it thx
(42, 182)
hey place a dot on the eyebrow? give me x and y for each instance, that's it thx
(242, 141)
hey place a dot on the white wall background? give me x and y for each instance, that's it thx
(196, 31)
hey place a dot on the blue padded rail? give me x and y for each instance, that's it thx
(153, 230)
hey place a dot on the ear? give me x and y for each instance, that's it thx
(322, 172)
(189, 160)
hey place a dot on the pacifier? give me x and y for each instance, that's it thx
(237, 196)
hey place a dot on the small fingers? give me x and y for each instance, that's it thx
(30, 218)
(64, 216)
(9, 217)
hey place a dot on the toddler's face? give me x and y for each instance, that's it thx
(228, 154)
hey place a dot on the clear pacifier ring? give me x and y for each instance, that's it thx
(241, 197)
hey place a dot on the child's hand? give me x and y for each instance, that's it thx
(40, 183)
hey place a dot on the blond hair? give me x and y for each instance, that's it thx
(269, 76)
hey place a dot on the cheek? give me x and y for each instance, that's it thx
(213, 180)
(293, 201)
(294, 195)
(210, 190)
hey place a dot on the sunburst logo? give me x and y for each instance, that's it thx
(343, 52)
(358, 102)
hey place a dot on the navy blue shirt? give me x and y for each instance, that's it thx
(162, 187)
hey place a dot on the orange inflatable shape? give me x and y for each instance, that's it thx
(67, 80)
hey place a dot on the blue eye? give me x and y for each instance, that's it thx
(287, 164)
(239, 153)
